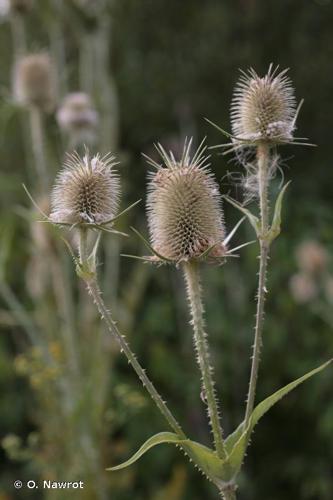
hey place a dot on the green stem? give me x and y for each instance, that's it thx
(37, 138)
(263, 156)
(229, 495)
(95, 292)
(19, 35)
(200, 339)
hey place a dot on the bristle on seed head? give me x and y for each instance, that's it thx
(184, 207)
(264, 108)
(87, 190)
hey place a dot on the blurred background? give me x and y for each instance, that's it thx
(120, 75)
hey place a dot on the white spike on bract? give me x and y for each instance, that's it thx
(184, 207)
(87, 190)
(264, 108)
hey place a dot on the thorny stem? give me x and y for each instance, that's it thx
(194, 297)
(19, 37)
(93, 288)
(38, 146)
(229, 495)
(263, 156)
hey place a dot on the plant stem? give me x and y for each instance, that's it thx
(38, 147)
(229, 495)
(200, 339)
(263, 155)
(95, 292)
(19, 35)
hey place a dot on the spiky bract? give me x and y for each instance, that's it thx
(264, 109)
(184, 208)
(87, 190)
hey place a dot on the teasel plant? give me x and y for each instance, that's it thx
(186, 230)
(263, 117)
(34, 90)
(53, 326)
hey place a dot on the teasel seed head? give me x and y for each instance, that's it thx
(34, 81)
(87, 190)
(312, 257)
(184, 208)
(77, 117)
(264, 109)
(21, 6)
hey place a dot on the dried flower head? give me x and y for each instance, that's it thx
(264, 108)
(21, 6)
(34, 81)
(312, 257)
(78, 117)
(184, 208)
(303, 288)
(77, 112)
(87, 190)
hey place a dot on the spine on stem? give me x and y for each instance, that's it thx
(200, 340)
(95, 292)
(263, 157)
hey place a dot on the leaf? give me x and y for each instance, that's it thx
(162, 437)
(205, 458)
(254, 221)
(237, 442)
(276, 224)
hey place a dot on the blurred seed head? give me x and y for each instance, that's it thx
(303, 288)
(87, 190)
(34, 81)
(184, 207)
(21, 6)
(312, 257)
(264, 108)
(77, 117)
(4, 9)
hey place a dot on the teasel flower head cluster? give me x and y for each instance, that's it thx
(34, 82)
(78, 118)
(86, 191)
(264, 108)
(184, 208)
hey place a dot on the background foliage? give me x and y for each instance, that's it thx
(175, 63)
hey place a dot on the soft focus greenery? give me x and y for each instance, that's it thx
(175, 63)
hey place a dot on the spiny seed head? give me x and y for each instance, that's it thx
(312, 257)
(77, 112)
(264, 109)
(184, 207)
(303, 287)
(34, 82)
(87, 190)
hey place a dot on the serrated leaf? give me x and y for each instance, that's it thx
(254, 221)
(276, 223)
(205, 458)
(237, 442)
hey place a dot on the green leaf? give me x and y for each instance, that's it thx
(162, 437)
(205, 458)
(237, 442)
(276, 224)
(252, 218)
